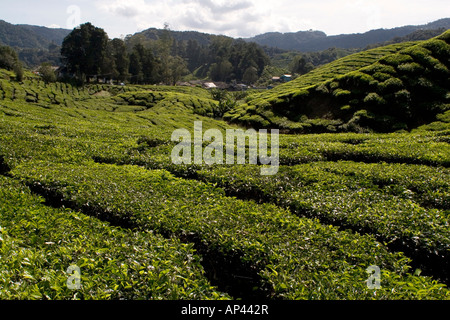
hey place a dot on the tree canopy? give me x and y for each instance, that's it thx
(84, 50)
(10, 61)
(87, 51)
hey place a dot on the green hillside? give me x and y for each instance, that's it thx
(400, 86)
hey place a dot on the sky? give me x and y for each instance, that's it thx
(235, 18)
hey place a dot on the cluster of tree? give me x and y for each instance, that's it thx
(297, 62)
(87, 51)
(84, 52)
(10, 61)
(32, 57)
(236, 60)
(223, 59)
(218, 58)
(157, 63)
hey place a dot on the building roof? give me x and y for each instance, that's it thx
(209, 85)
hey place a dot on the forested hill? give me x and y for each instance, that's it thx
(306, 41)
(180, 36)
(54, 35)
(30, 37)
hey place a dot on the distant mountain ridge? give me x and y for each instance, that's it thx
(36, 37)
(308, 41)
(156, 34)
(55, 35)
(30, 37)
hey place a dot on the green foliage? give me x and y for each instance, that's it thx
(158, 201)
(340, 193)
(374, 99)
(164, 99)
(226, 102)
(8, 58)
(340, 203)
(84, 50)
(298, 88)
(47, 73)
(300, 65)
(87, 52)
(10, 61)
(39, 243)
(236, 60)
(401, 85)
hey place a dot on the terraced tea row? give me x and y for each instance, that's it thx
(419, 148)
(66, 144)
(104, 97)
(399, 203)
(399, 90)
(378, 203)
(39, 244)
(292, 257)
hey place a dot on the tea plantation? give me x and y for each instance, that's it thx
(401, 86)
(87, 180)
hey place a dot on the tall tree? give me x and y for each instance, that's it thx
(165, 47)
(136, 74)
(83, 50)
(251, 60)
(250, 75)
(193, 55)
(121, 59)
(178, 68)
(221, 71)
(300, 65)
(47, 72)
(9, 60)
(144, 67)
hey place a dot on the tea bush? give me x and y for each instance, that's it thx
(39, 243)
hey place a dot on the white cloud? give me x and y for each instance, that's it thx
(127, 9)
(251, 17)
(54, 26)
(231, 17)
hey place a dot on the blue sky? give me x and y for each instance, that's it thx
(237, 18)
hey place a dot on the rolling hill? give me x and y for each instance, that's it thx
(400, 86)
